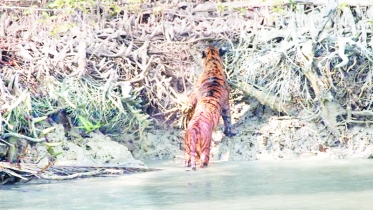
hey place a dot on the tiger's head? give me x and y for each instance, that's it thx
(213, 53)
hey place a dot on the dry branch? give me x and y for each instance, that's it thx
(17, 135)
(27, 172)
(273, 3)
(292, 56)
(267, 99)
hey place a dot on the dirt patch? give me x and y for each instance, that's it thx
(95, 149)
(263, 135)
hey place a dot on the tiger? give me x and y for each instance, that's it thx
(210, 100)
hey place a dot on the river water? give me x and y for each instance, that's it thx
(301, 184)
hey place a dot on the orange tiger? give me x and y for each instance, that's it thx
(210, 100)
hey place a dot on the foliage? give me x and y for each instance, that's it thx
(71, 4)
(109, 65)
(90, 102)
(87, 125)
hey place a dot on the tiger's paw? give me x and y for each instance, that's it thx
(193, 164)
(230, 132)
(204, 165)
(194, 167)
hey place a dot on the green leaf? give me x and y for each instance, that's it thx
(87, 125)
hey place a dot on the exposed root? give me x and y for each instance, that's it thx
(26, 173)
(121, 64)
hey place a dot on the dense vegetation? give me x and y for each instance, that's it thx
(124, 66)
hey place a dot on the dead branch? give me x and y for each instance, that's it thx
(17, 135)
(72, 176)
(267, 99)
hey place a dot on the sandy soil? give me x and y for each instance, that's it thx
(95, 149)
(262, 135)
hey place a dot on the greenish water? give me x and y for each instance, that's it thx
(306, 184)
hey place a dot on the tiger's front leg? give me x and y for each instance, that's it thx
(205, 153)
(226, 114)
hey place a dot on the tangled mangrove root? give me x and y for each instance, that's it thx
(313, 63)
(25, 173)
(125, 66)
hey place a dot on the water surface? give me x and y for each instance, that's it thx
(304, 184)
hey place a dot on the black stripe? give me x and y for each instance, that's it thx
(214, 85)
(212, 78)
(209, 93)
(212, 59)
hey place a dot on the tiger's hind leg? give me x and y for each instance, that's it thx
(187, 159)
(193, 161)
(187, 150)
(193, 152)
(190, 154)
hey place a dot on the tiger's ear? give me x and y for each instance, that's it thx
(222, 51)
(203, 54)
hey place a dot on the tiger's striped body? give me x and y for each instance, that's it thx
(211, 100)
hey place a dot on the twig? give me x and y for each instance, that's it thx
(72, 176)
(17, 135)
